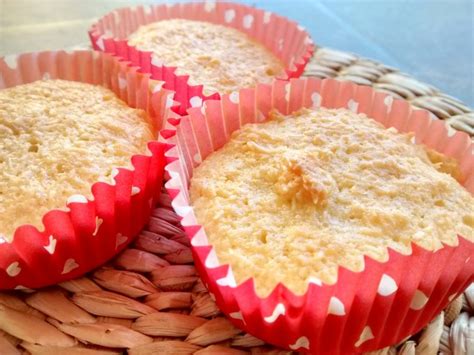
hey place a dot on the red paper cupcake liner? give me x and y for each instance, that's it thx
(86, 233)
(363, 311)
(286, 39)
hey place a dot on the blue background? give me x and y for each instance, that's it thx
(429, 39)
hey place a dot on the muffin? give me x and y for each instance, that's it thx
(57, 138)
(323, 230)
(293, 199)
(221, 58)
(214, 47)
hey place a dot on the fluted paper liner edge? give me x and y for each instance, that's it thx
(85, 233)
(363, 311)
(286, 39)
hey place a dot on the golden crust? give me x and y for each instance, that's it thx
(221, 58)
(295, 197)
(57, 138)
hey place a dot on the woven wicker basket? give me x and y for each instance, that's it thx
(149, 299)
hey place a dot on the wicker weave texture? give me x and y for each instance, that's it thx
(330, 63)
(150, 300)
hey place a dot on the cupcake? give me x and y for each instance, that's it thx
(79, 168)
(219, 47)
(57, 138)
(325, 217)
(320, 189)
(220, 58)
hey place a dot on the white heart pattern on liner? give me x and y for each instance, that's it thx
(387, 286)
(122, 83)
(98, 223)
(352, 105)
(388, 101)
(135, 190)
(301, 342)
(11, 61)
(229, 280)
(69, 265)
(234, 97)
(195, 101)
(419, 300)
(279, 310)
(266, 17)
(336, 307)
(13, 269)
(197, 158)
(169, 101)
(247, 21)
(280, 44)
(287, 92)
(316, 99)
(51, 247)
(229, 15)
(120, 239)
(364, 336)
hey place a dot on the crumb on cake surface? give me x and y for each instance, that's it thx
(58, 137)
(297, 196)
(221, 58)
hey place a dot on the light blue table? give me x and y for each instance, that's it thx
(431, 40)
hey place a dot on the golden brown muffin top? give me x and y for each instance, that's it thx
(221, 58)
(294, 198)
(58, 137)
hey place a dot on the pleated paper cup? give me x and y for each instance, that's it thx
(362, 311)
(86, 232)
(284, 38)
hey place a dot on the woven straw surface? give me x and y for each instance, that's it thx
(149, 299)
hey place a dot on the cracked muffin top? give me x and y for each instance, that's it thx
(292, 199)
(221, 58)
(57, 138)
